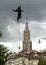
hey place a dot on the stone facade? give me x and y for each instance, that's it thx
(27, 44)
(24, 61)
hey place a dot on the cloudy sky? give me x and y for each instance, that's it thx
(35, 10)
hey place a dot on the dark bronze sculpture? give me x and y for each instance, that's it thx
(19, 11)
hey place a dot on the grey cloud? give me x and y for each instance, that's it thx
(35, 10)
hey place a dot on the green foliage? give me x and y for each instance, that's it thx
(0, 34)
(42, 61)
(3, 54)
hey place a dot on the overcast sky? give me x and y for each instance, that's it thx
(35, 10)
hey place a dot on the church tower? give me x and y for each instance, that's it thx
(27, 44)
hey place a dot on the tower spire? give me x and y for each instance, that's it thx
(27, 45)
(26, 27)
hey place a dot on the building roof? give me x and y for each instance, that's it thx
(33, 54)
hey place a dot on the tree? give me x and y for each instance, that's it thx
(42, 61)
(0, 34)
(3, 54)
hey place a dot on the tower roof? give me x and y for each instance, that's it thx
(26, 27)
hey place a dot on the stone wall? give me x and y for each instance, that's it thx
(24, 61)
